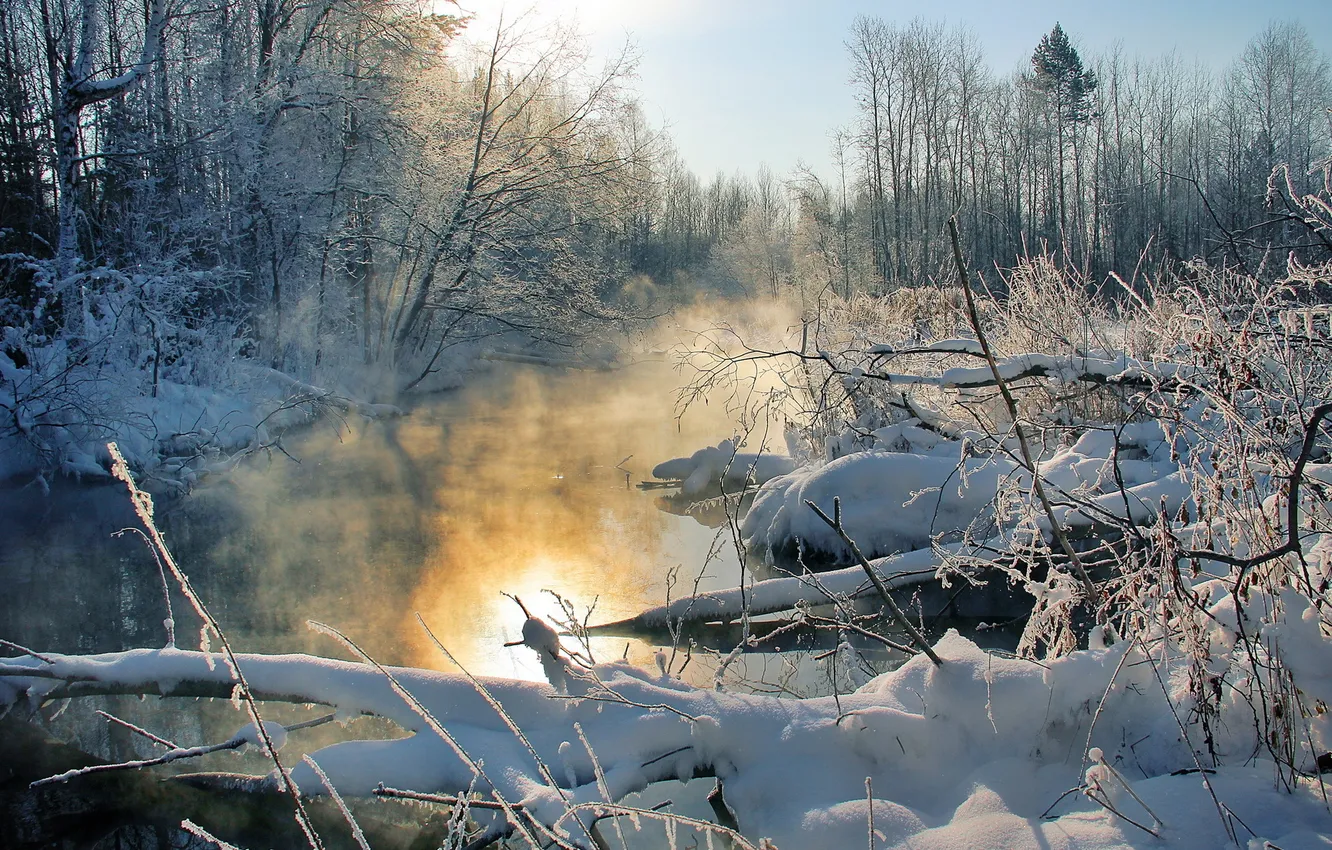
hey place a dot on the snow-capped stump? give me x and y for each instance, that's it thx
(708, 469)
(539, 637)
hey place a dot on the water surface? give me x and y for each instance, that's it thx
(523, 483)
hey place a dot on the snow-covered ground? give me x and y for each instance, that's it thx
(975, 752)
(1174, 695)
(174, 434)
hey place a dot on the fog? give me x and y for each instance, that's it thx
(522, 482)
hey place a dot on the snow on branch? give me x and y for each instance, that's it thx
(794, 770)
(1122, 371)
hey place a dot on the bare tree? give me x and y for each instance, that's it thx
(76, 83)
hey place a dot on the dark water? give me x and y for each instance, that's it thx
(521, 483)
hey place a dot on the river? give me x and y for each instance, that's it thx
(521, 483)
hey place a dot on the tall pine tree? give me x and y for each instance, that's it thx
(1069, 90)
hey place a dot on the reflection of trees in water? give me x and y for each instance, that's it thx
(70, 585)
(516, 485)
(712, 512)
(511, 484)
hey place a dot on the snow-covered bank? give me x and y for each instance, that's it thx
(174, 436)
(896, 501)
(971, 753)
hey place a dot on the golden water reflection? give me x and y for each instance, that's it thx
(535, 498)
(517, 484)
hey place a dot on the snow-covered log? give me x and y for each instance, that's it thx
(970, 753)
(1120, 371)
(721, 466)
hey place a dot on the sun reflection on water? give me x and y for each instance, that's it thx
(520, 483)
(538, 497)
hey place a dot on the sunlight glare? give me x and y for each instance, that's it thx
(597, 18)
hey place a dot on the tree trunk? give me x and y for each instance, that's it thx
(76, 89)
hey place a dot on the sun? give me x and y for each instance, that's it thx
(594, 17)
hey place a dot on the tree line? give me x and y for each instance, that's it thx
(1106, 165)
(340, 177)
(348, 180)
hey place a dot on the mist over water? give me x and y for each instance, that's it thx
(521, 483)
(537, 495)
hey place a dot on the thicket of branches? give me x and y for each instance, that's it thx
(339, 186)
(356, 181)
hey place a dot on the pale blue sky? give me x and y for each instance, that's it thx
(744, 82)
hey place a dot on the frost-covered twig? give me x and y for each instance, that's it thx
(835, 523)
(1184, 736)
(199, 832)
(499, 710)
(1098, 757)
(23, 649)
(608, 809)
(1292, 544)
(170, 621)
(604, 693)
(852, 627)
(240, 739)
(357, 834)
(1056, 528)
(143, 507)
(435, 726)
(445, 799)
(138, 730)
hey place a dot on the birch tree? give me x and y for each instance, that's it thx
(76, 83)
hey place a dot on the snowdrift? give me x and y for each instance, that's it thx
(971, 753)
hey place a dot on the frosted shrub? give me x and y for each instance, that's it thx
(98, 366)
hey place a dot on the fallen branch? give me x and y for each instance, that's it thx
(1056, 528)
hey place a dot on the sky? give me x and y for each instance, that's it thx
(738, 83)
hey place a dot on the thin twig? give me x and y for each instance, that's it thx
(23, 649)
(1056, 528)
(435, 726)
(835, 523)
(500, 710)
(139, 731)
(357, 834)
(143, 507)
(443, 799)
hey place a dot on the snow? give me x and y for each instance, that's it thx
(249, 733)
(913, 490)
(708, 469)
(978, 750)
(783, 594)
(967, 754)
(891, 502)
(174, 438)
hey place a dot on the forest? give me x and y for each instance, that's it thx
(339, 190)
(1058, 336)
